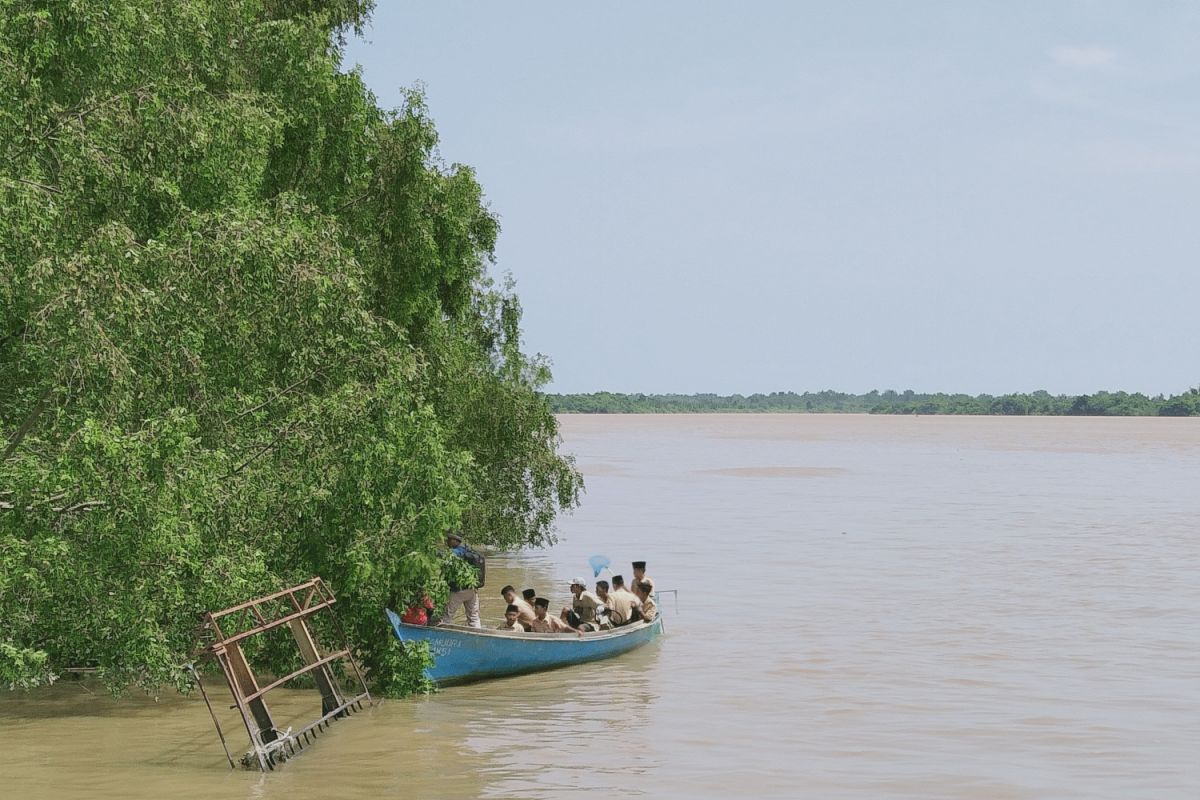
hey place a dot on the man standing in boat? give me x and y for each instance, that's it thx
(459, 596)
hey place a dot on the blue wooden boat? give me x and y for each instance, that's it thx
(462, 654)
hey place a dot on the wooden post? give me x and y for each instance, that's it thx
(331, 698)
(246, 684)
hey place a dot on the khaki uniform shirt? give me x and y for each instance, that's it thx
(524, 611)
(549, 625)
(645, 578)
(516, 627)
(585, 606)
(620, 606)
(649, 609)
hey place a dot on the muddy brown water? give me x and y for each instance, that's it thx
(869, 607)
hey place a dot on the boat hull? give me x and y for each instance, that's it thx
(462, 654)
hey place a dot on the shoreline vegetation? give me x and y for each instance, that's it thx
(249, 335)
(1039, 403)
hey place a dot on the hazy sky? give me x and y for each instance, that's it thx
(769, 196)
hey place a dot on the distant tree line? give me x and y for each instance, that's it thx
(1039, 403)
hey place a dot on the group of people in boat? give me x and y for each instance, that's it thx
(610, 606)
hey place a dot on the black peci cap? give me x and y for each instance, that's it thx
(511, 610)
(639, 565)
(542, 602)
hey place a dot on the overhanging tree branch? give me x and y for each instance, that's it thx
(34, 184)
(276, 396)
(26, 425)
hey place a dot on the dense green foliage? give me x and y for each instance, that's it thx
(247, 336)
(890, 402)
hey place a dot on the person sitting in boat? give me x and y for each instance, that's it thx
(512, 620)
(582, 613)
(544, 623)
(644, 590)
(420, 612)
(639, 575)
(623, 606)
(524, 609)
(625, 596)
(603, 613)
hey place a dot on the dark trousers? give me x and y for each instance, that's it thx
(575, 621)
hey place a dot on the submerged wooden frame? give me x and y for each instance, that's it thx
(292, 607)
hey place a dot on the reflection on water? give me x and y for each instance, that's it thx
(870, 607)
(545, 735)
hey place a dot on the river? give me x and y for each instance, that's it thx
(868, 607)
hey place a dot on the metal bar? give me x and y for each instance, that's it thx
(323, 590)
(247, 684)
(211, 713)
(248, 603)
(211, 622)
(325, 720)
(313, 727)
(310, 651)
(237, 637)
(222, 659)
(674, 592)
(296, 674)
(346, 644)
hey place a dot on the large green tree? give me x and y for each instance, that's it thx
(247, 335)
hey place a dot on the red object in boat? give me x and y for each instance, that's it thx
(418, 613)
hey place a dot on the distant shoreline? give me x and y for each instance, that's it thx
(1040, 403)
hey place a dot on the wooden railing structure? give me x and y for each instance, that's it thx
(291, 607)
